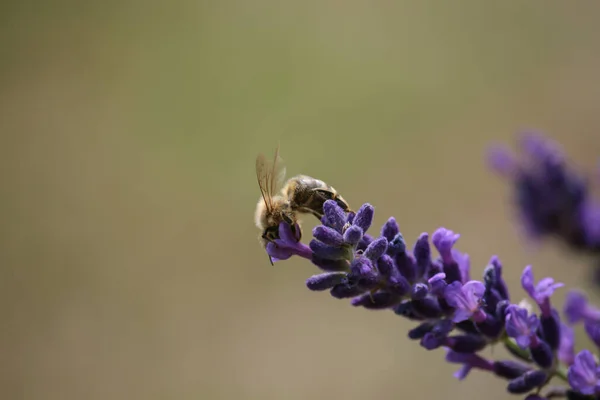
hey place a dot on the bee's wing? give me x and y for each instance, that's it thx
(263, 170)
(277, 173)
(270, 176)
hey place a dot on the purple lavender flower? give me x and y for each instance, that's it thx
(541, 292)
(550, 197)
(287, 245)
(584, 374)
(520, 326)
(577, 308)
(454, 311)
(466, 299)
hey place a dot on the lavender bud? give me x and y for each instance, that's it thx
(322, 250)
(406, 266)
(398, 284)
(350, 217)
(365, 241)
(353, 235)
(500, 285)
(550, 325)
(328, 235)
(397, 245)
(376, 301)
(330, 265)
(466, 343)
(452, 271)
(420, 331)
(438, 336)
(422, 253)
(325, 281)
(364, 217)
(527, 382)
(346, 290)
(491, 327)
(542, 354)
(468, 326)
(427, 308)
(438, 284)
(419, 291)
(390, 229)
(435, 267)
(501, 309)
(509, 369)
(404, 309)
(431, 341)
(335, 215)
(363, 273)
(386, 267)
(376, 249)
(491, 298)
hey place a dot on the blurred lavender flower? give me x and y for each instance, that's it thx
(452, 311)
(551, 198)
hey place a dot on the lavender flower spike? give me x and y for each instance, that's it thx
(466, 299)
(541, 292)
(584, 374)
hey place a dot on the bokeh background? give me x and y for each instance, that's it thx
(130, 266)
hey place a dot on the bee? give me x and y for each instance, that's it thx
(281, 202)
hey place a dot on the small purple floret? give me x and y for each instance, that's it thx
(466, 299)
(541, 292)
(584, 374)
(521, 326)
(287, 245)
(444, 239)
(577, 308)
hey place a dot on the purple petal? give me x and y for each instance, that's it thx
(527, 281)
(575, 305)
(453, 293)
(546, 287)
(462, 372)
(461, 315)
(437, 283)
(583, 374)
(501, 160)
(523, 341)
(474, 290)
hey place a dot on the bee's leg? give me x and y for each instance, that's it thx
(317, 214)
(330, 195)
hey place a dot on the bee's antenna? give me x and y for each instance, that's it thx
(270, 259)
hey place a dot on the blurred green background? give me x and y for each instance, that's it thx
(130, 265)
